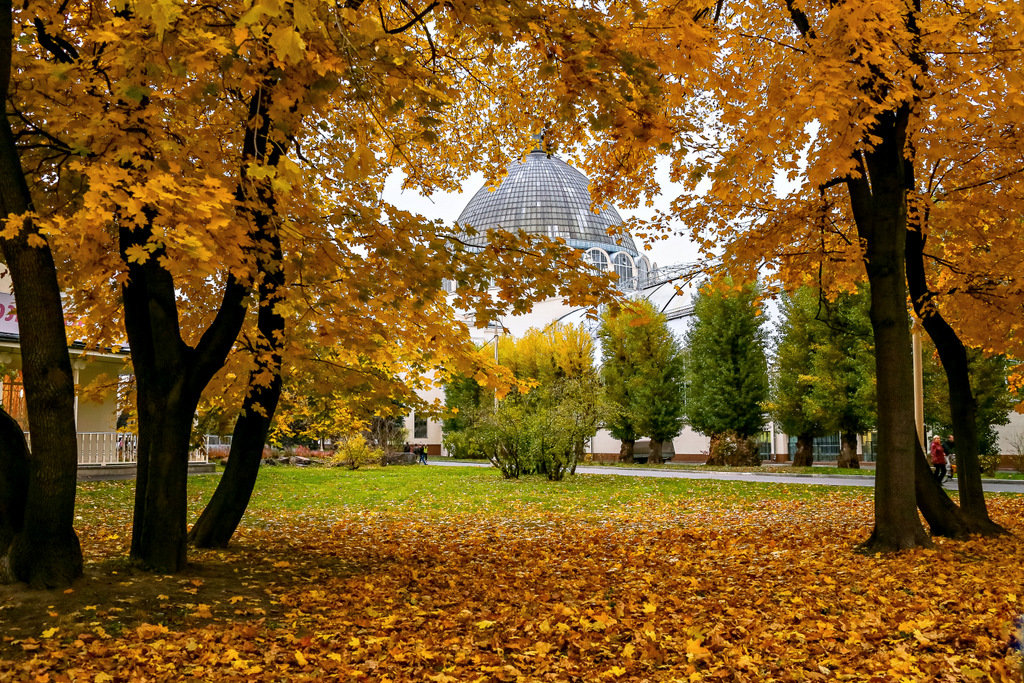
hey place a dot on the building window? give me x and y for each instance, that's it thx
(643, 268)
(598, 258)
(419, 429)
(13, 399)
(624, 269)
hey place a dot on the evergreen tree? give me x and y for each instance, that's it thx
(727, 372)
(824, 375)
(642, 371)
(843, 395)
(798, 333)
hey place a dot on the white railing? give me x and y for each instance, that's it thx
(117, 448)
(107, 448)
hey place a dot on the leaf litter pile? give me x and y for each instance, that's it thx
(694, 586)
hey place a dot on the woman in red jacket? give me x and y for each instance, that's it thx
(938, 454)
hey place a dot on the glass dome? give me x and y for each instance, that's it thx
(544, 195)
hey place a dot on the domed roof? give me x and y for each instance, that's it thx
(544, 195)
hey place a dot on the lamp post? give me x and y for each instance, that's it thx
(918, 385)
(496, 326)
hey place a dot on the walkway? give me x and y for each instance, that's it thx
(692, 472)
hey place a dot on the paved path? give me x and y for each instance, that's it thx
(692, 472)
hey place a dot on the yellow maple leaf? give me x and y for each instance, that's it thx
(300, 658)
(202, 611)
(288, 44)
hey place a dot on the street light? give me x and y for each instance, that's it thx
(498, 328)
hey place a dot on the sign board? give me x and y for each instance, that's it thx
(8, 314)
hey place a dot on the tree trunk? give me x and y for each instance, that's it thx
(13, 486)
(626, 450)
(962, 404)
(655, 451)
(170, 377)
(941, 513)
(222, 515)
(878, 201)
(46, 551)
(804, 456)
(848, 451)
(219, 520)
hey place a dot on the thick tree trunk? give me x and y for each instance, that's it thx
(962, 404)
(655, 451)
(626, 450)
(878, 201)
(941, 513)
(804, 456)
(158, 532)
(46, 551)
(13, 485)
(848, 451)
(170, 377)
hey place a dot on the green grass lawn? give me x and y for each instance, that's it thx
(446, 491)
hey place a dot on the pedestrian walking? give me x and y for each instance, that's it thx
(948, 446)
(938, 455)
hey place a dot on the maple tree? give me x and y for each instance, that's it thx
(815, 132)
(194, 221)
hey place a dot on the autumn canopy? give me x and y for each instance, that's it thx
(205, 182)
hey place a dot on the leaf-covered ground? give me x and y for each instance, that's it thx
(414, 574)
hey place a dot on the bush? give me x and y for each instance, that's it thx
(354, 452)
(732, 450)
(219, 452)
(989, 464)
(463, 445)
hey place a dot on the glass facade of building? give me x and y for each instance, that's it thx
(544, 195)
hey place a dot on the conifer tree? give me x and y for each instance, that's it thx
(791, 380)
(642, 371)
(727, 372)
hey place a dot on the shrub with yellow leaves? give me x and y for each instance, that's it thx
(354, 452)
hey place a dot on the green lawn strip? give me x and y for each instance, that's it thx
(443, 491)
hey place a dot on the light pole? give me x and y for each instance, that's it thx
(496, 326)
(918, 385)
